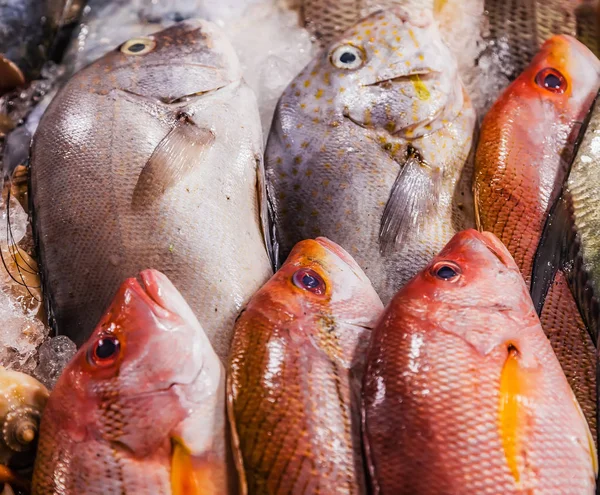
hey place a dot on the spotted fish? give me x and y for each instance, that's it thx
(370, 145)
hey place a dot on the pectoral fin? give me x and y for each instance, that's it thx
(414, 194)
(551, 252)
(174, 157)
(188, 476)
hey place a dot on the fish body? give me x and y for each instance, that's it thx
(140, 408)
(294, 375)
(369, 147)
(152, 159)
(525, 146)
(462, 391)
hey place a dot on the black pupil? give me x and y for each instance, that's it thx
(445, 272)
(106, 348)
(347, 57)
(136, 47)
(552, 81)
(310, 282)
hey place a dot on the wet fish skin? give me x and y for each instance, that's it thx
(341, 139)
(442, 411)
(145, 417)
(152, 159)
(294, 376)
(526, 143)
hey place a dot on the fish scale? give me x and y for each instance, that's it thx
(376, 158)
(462, 391)
(294, 372)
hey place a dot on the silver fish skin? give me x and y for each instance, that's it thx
(370, 147)
(151, 157)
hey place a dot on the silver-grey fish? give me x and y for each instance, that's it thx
(151, 157)
(369, 148)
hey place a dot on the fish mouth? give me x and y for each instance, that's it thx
(423, 75)
(342, 254)
(497, 248)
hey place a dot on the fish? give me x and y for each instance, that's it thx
(141, 407)
(27, 32)
(568, 241)
(370, 147)
(462, 390)
(525, 146)
(152, 157)
(22, 401)
(294, 375)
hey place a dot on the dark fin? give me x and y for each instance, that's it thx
(551, 252)
(172, 160)
(266, 213)
(16, 150)
(414, 195)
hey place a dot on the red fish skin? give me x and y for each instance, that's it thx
(111, 426)
(432, 421)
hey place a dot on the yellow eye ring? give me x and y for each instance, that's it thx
(347, 57)
(138, 46)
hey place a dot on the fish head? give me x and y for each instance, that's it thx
(473, 269)
(190, 58)
(148, 357)
(321, 287)
(559, 84)
(391, 72)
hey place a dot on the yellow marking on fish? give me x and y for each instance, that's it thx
(313, 73)
(342, 89)
(297, 93)
(316, 110)
(398, 39)
(330, 101)
(315, 120)
(302, 106)
(368, 32)
(327, 165)
(371, 39)
(420, 87)
(390, 126)
(293, 85)
(438, 5)
(294, 171)
(510, 410)
(298, 160)
(359, 38)
(299, 126)
(326, 78)
(325, 182)
(288, 146)
(407, 63)
(384, 23)
(308, 172)
(314, 213)
(382, 32)
(307, 83)
(413, 37)
(367, 117)
(341, 74)
(304, 144)
(376, 51)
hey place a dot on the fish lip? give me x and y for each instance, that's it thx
(496, 246)
(341, 253)
(148, 278)
(427, 73)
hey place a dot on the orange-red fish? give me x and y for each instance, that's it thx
(525, 146)
(463, 393)
(294, 375)
(141, 407)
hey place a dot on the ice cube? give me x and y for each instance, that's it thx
(54, 354)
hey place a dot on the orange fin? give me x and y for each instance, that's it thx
(513, 390)
(189, 477)
(174, 157)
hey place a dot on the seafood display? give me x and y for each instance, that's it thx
(272, 247)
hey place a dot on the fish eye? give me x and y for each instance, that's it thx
(309, 280)
(552, 80)
(138, 46)
(446, 270)
(105, 351)
(347, 57)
